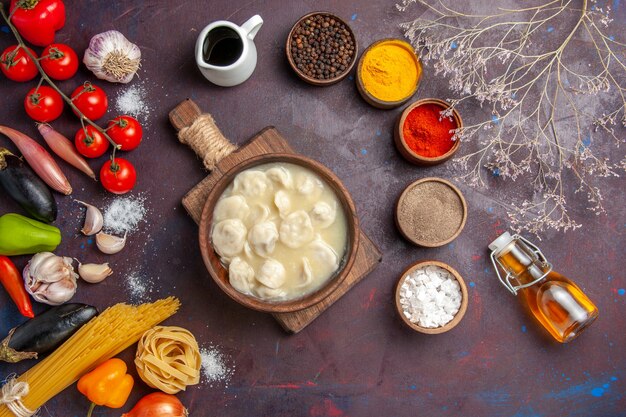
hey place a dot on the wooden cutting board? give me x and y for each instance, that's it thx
(270, 141)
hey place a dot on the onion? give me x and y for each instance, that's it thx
(158, 404)
(39, 160)
(64, 148)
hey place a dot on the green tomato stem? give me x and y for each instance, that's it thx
(38, 85)
(17, 6)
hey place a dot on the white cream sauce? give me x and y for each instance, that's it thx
(295, 228)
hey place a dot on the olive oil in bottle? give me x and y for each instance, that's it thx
(555, 301)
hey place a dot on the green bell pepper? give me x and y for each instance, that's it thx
(20, 235)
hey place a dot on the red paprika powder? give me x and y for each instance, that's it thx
(425, 134)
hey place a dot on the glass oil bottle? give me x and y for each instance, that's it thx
(555, 301)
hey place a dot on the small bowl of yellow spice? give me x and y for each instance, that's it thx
(388, 73)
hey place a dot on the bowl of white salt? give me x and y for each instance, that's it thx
(431, 297)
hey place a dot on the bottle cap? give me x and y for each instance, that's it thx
(501, 242)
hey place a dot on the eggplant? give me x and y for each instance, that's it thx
(45, 332)
(26, 188)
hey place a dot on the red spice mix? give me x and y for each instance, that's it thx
(425, 134)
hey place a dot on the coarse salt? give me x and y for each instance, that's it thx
(132, 101)
(124, 214)
(430, 296)
(215, 367)
(139, 287)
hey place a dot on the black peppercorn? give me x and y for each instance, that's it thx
(322, 47)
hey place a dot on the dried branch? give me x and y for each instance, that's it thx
(534, 92)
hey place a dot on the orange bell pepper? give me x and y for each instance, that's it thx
(107, 385)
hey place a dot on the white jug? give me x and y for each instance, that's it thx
(225, 52)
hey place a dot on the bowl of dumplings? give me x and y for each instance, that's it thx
(279, 233)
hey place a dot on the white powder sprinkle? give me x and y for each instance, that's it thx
(215, 368)
(132, 101)
(139, 287)
(430, 297)
(124, 214)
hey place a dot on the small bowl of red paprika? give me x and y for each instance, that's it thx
(424, 136)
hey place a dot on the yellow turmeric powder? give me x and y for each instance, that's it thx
(390, 70)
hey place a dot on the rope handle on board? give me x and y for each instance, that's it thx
(199, 131)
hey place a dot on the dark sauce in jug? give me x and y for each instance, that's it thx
(222, 47)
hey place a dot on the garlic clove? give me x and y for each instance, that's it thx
(36, 261)
(110, 244)
(55, 269)
(94, 273)
(59, 292)
(93, 219)
(40, 294)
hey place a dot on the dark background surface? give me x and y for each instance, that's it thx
(357, 359)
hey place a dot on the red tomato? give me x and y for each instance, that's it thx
(59, 61)
(43, 104)
(37, 21)
(90, 143)
(91, 101)
(16, 65)
(125, 131)
(118, 177)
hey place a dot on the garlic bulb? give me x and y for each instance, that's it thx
(112, 57)
(110, 244)
(94, 273)
(93, 220)
(50, 279)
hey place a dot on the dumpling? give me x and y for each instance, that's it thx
(323, 258)
(267, 293)
(296, 229)
(229, 237)
(306, 273)
(323, 215)
(263, 237)
(271, 274)
(247, 249)
(233, 207)
(280, 176)
(251, 183)
(282, 202)
(258, 214)
(309, 186)
(241, 275)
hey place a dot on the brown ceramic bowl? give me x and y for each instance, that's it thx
(459, 315)
(374, 101)
(405, 228)
(404, 149)
(303, 76)
(220, 274)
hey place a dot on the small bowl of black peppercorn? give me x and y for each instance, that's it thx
(321, 48)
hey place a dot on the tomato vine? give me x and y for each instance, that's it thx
(44, 77)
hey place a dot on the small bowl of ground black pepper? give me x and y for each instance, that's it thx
(431, 212)
(424, 134)
(321, 48)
